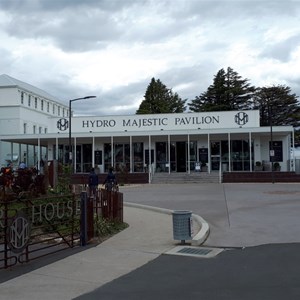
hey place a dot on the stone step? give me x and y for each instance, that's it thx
(195, 177)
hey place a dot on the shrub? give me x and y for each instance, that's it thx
(105, 228)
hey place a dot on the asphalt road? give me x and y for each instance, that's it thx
(260, 273)
(239, 215)
(258, 222)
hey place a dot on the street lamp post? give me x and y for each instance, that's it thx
(271, 142)
(70, 128)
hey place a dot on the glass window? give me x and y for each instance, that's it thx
(87, 157)
(42, 104)
(29, 100)
(127, 155)
(35, 102)
(193, 154)
(22, 97)
(48, 106)
(240, 155)
(119, 152)
(173, 156)
(60, 154)
(138, 157)
(224, 151)
(215, 148)
(161, 156)
(122, 157)
(25, 128)
(107, 157)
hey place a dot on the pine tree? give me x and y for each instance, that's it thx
(228, 92)
(277, 105)
(159, 99)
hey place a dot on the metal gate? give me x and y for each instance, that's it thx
(33, 228)
(103, 204)
(110, 205)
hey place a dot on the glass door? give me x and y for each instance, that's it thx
(181, 156)
(215, 150)
(161, 156)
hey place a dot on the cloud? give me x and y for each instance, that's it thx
(112, 48)
(86, 25)
(6, 59)
(283, 50)
(67, 31)
(40, 6)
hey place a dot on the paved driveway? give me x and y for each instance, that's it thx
(266, 272)
(239, 215)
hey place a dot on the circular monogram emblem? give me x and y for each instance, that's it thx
(19, 233)
(241, 118)
(62, 124)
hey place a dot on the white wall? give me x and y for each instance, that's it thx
(9, 97)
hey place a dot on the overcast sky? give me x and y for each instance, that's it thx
(112, 48)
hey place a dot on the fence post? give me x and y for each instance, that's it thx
(90, 216)
(83, 218)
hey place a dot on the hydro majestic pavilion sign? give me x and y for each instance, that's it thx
(182, 121)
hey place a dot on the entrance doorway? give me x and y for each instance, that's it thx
(181, 156)
(179, 159)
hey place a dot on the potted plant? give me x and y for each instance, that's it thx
(204, 167)
(258, 166)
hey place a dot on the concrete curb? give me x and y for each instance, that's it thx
(197, 240)
(203, 233)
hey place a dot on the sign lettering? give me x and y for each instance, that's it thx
(189, 121)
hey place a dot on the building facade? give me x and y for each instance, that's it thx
(35, 126)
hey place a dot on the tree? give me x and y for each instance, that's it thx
(214, 98)
(279, 104)
(159, 99)
(228, 92)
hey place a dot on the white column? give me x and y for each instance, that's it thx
(112, 150)
(189, 168)
(149, 141)
(292, 163)
(55, 165)
(150, 161)
(169, 153)
(1, 154)
(209, 155)
(74, 158)
(56, 151)
(27, 149)
(93, 152)
(250, 152)
(131, 154)
(229, 153)
(20, 153)
(39, 155)
(12, 152)
(34, 156)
